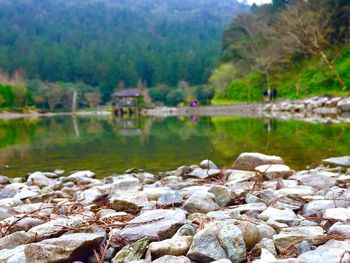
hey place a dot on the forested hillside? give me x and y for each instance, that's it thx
(103, 42)
(299, 47)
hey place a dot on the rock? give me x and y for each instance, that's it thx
(132, 252)
(90, 195)
(153, 193)
(25, 194)
(250, 232)
(223, 195)
(316, 180)
(340, 228)
(123, 183)
(15, 255)
(331, 252)
(294, 235)
(176, 246)
(156, 225)
(230, 237)
(248, 161)
(25, 223)
(14, 240)
(338, 161)
(171, 198)
(338, 213)
(223, 214)
(172, 259)
(203, 173)
(53, 227)
(303, 247)
(201, 202)
(131, 202)
(207, 164)
(186, 230)
(240, 189)
(265, 231)
(285, 202)
(39, 179)
(4, 180)
(66, 248)
(268, 244)
(249, 207)
(285, 215)
(344, 104)
(273, 171)
(224, 260)
(237, 176)
(206, 247)
(318, 207)
(301, 190)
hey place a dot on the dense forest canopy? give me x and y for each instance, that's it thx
(101, 42)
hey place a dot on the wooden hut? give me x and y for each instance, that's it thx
(127, 101)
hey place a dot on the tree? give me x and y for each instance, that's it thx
(93, 98)
(54, 95)
(307, 27)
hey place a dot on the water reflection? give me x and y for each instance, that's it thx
(106, 144)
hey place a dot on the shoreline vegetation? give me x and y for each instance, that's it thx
(258, 210)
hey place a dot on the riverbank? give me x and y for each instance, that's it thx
(259, 210)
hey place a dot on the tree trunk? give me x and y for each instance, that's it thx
(333, 69)
(74, 102)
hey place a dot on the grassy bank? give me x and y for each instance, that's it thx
(307, 78)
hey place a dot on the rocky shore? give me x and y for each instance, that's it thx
(259, 210)
(324, 105)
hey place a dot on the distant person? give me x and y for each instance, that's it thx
(266, 95)
(194, 103)
(274, 93)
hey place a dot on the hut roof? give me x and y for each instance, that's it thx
(128, 93)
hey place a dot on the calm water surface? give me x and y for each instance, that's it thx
(106, 146)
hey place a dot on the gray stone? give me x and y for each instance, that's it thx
(131, 202)
(39, 179)
(230, 237)
(316, 180)
(201, 202)
(205, 247)
(278, 215)
(338, 213)
(172, 259)
(177, 246)
(170, 198)
(123, 183)
(338, 161)
(248, 161)
(303, 247)
(186, 230)
(66, 248)
(331, 252)
(224, 214)
(15, 255)
(224, 260)
(203, 173)
(53, 227)
(4, 180)
(207, 164)
(237, 176)
(273, 171)
(155, 224)
(344, 104)
(301, 190)
(223, 195)
(269, 245)
(14, 240)
(318, 207)
(340, 228)
(132, 252)
(296, 235)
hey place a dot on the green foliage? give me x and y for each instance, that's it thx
(306, 78)
(14, 96)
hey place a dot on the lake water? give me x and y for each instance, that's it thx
(106, 145)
